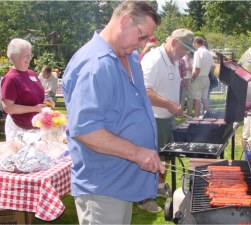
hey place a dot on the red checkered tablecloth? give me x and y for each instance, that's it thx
(59, 91)
(38, 192)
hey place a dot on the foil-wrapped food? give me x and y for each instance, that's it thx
(27, 160)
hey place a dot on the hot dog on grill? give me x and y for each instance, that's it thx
(219, 189)
(224, 168)
(227, 187)
(229, 195)
(217, 202)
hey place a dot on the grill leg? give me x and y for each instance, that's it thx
(233, 147)
(173, 173)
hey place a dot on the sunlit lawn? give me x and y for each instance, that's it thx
(140, 217)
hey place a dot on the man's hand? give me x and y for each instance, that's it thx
(149, 160)
(174, 108)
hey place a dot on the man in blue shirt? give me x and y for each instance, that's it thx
(112, 131)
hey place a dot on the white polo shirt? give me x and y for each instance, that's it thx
(203, 60)
(162, 77)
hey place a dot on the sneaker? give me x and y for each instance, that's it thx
(150, 205)
(164, 192)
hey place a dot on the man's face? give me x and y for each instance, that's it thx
(178, 50)
(137, 35)
(195, 44)
(45, 74)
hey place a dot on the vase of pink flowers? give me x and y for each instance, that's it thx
(51, 123)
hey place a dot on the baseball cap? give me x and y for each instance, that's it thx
(153, 39)
(185, 37)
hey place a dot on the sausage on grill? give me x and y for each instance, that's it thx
(217, 202)
(226, 194)
(224, 168)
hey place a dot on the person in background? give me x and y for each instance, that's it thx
(112, 134)
(151, 44)
(188, 58)
(245, 62)
(22, 92)
(162, 82)
(182, 70)
(57, 73)
(202, 64)
(49, 82)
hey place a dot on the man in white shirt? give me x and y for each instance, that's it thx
(202, 64)
(49, 82)
(162, 82)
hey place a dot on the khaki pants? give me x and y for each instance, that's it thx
(97, 209)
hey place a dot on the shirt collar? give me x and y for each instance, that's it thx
(165, 56)
(104, 47)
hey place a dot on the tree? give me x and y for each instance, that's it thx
(196, 12)
(172, 19)
(73, 21)
(232, 17)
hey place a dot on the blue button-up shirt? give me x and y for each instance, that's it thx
(100, 95)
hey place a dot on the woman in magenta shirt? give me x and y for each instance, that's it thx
(22, 92)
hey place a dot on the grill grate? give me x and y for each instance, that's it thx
(199, 201)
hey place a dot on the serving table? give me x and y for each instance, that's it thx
(37, 192)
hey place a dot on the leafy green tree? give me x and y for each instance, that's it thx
(231, 17)
(196, 12)
(172, 19)
(73, 21)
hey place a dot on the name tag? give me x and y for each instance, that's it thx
(170, 76)
(33, 78)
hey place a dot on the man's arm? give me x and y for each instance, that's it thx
(195, 74)
(162, 102)
(104, 142)
(212, 69)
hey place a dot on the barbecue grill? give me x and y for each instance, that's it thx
(238, 99)
(196, 139)
(196, 209)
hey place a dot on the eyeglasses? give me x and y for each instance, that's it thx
(142, 37)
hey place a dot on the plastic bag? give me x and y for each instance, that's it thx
(57, 151)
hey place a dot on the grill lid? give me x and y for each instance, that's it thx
(237, 79)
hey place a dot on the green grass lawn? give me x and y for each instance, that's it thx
(139, 216)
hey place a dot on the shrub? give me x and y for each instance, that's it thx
(5, 65)
(49, 59)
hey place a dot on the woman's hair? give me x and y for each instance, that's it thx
(16, 46)
(137, 9)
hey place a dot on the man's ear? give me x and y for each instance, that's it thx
(174, 42)
(125, 21)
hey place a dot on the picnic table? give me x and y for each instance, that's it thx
(38, 192)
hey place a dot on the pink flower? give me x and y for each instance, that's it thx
(49, 119)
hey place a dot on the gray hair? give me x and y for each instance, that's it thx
(16, 46)
(137, 9)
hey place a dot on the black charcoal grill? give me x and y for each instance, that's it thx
(195, 140)
(238, 99)
(196, 150)
(200, 211)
